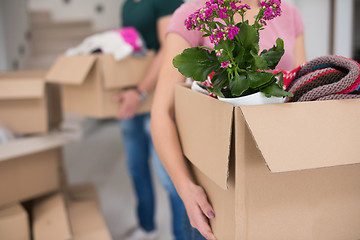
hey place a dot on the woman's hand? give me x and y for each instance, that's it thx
(199, 210)
(130, 102)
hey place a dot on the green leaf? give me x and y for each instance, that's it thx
(196, 63)
(258, 62)
(258, 79)
(274, 54)
(280, 76)
(220, 80)
(239, 84)
(276, 91)
(239, 54)
(248, 36)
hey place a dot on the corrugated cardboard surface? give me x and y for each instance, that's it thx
(86, 219)
(14, 223)
(127, 72)
(27, 104)
(29, 167)
(51, 219)
(319, 202)
(89, 83)
(71, 70)
(214, 132)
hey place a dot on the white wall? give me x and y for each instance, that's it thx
(344, 28)
(3, 64)
(316, 17)
(14, 28)
(109, 18)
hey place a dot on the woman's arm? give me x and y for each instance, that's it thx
(167, 143)
(130, 100)
(299, 51)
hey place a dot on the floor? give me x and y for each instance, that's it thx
(97, 155)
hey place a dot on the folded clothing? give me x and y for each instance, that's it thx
(121, 43)
(325, 78)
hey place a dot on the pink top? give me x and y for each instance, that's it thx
(288, 26)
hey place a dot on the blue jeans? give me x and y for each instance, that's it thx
(190, 233)
(139, 150)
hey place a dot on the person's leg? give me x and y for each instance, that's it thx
(137, 151)
(176, 204)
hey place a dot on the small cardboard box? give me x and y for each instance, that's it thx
(14, 223)
(276, 171)
(89, 83)
(86, 219)
(27, 104)
(29, 167)
(51, 218)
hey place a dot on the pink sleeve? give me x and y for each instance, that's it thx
(177, 24)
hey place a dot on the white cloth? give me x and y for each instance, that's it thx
(108, 42)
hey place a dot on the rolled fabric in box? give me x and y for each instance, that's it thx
(326, 78)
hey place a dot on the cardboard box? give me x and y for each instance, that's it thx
(89, 83)
(87, 221)
(276, 171)
(14, 223)
(27, 104)
(29, 167)
(51, 219)
(72, 215)
(86, 218)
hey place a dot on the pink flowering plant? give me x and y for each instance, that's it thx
(235, 64)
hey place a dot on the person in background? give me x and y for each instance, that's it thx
(289, 27)
(150, 18)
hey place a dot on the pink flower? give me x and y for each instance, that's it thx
(225, 64)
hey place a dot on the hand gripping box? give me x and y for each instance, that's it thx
(89, 83)
(276, 171)
(27, 104)
(30, 167)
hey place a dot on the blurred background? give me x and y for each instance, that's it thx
(33, 33)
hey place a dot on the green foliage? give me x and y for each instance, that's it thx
(196, 63)
(245, 72)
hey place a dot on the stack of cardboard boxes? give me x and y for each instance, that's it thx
(35, 201)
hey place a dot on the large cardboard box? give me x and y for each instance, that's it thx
(14, 223)
(30, 167)
(276, 171)
(89, 83)
(51, 218)
(27, 104)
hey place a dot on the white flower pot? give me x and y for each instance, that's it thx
(252, 99)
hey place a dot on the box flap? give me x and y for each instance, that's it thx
(30, 145)
(21, 89)
(306, 135)
(51, 219)
(125, 73)
(70, 70)
(205, 128)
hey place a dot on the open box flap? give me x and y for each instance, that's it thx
(306, 135)
(125, 73)
(70, 70)
(30, 145)
(21, 89)
(205, 128)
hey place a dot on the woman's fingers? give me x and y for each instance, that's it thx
(200, 212)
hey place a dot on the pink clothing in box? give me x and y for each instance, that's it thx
(288, 26)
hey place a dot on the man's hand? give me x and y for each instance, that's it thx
(130, 102)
